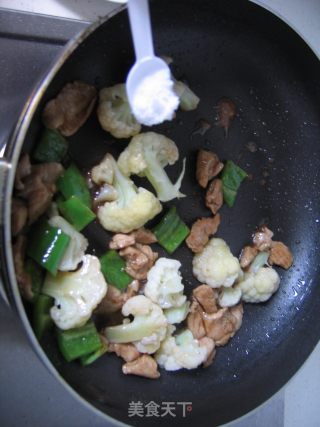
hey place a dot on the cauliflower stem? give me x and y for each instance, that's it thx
(128, 332)
(260, 260)
(159, 179)
(147, 329)
(125, 187)
(188, 99)
(147, 155)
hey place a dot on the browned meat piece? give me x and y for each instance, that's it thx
(226, 112)
(207, 320)
(111, 302)
(39, 188)
(144, 366)
(206, 297)
(71, 108)
(128, 352)
(39, 197)
(132, 289)
(23, 278)
(36, 184)
(141, 236)
(141, 274)
(211, 348)
(114, 299)
(136, 259)
(247, 255)
(280, 255)
(237, 313)
(222, 326)
(152, 256)
(214, 196)
(262, 238)
(195, 321)
(208, 166)
(19, 215)
(48, 172)
(201, 230)
(120, 241)
(140, 258)
(144, 236)
(23, 170)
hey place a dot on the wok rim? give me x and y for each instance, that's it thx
(11, 154)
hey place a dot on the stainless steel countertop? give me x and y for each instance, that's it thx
(29, 395)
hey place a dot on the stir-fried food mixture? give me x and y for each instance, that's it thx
(130, 301)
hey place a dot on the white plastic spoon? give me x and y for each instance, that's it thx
(149, 84)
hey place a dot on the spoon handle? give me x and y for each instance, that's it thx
(141, 28)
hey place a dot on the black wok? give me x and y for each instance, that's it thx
(223, 49)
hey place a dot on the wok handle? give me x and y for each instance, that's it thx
(4, 171)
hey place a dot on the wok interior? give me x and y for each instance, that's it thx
(237, 50)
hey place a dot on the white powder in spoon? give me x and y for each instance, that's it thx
(154, 100)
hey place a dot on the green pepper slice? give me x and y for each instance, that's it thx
(41, 315)
(171, 231)
(78, 342)
(76, 212)
(232, 176)
(72, 183)
(47, 246)
(113, 269)
(36, 274)
(87, 359)
(52, 147)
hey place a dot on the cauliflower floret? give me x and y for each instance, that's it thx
(259, 286)
(114, 112)
(181, 351)
(76, 247)
(143, 207)
(215, 265)
(164, 285)
(229, 297)
(146, 331)
(133, 207)
(103, 172)
(147, 155)
(177, 314)
(76, 293)
(150, 344)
